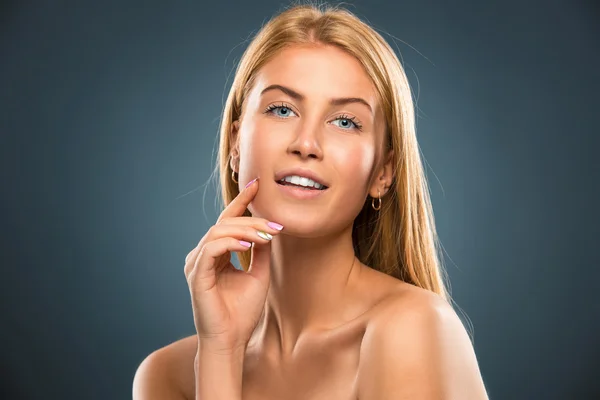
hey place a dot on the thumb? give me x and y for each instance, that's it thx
(260, 262)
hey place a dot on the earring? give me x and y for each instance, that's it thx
(378, 204)
(233, 178)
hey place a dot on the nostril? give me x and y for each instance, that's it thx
(305, 155)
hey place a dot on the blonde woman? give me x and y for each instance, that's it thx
(342, 295)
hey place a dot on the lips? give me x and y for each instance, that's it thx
(300, 193)
(301, 172)
(306, 183)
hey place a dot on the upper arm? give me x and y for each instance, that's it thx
(421, 351)
(152, 381)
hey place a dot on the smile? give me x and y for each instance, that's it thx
(301, 188)
(301, 182)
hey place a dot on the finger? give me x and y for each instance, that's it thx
(191, 255)
(240, 232)
(239, 204)
(260, 263)
(260, 224)
(190, 260)
(206, 262)
(255, 222)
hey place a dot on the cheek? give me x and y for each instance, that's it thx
(354, 162)
(255, 147)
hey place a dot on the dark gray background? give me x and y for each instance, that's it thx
(108, 127)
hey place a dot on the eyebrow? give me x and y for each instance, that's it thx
(334, 102)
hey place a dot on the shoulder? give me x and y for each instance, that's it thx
(415, 346)
(167, 373)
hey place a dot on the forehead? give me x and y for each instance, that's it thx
(318, 71)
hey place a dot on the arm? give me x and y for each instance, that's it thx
(419, 351)
(218, 375)
(180, 371)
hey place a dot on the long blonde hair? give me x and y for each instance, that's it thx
(400, 239)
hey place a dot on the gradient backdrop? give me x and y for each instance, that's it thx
(109, 114)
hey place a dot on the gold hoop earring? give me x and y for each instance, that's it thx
(233, 177)
(378, 204)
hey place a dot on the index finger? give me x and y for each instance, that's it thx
(239, 204)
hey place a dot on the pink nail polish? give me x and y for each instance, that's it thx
(250, 183)
(245, 244)
(275, 225)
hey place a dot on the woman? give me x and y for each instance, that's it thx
(341, 295)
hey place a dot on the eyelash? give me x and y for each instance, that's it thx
(357, 124)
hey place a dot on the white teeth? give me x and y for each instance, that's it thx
(302, 181)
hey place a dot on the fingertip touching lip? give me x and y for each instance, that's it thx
(303, 172)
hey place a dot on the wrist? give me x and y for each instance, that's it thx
(219, 349)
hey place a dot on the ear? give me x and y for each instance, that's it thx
(234, 148)
(383, 177)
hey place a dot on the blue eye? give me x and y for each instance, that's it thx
(347, 122)
(284, 112)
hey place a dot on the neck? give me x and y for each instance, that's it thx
(310, 281)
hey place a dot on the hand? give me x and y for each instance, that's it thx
(227, 302)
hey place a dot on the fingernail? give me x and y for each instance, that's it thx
(264, 235)
(244, 243)
(275, 225)
(238, 267)
(250, 183)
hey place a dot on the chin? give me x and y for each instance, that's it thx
(303, 227)
(304, 218)
(300, 221)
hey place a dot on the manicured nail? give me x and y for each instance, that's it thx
(238, 267)
(244, 243)
(275, 225)
(250, 183)
(264, 235)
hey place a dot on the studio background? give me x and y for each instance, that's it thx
(109, 115)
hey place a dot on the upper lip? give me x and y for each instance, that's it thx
(306, 173)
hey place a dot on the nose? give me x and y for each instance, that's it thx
(306, 142)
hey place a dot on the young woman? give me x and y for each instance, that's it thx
(342, 294)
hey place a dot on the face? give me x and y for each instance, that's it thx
(295, 122)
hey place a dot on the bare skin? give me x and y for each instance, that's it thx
(331, 327)
(324, 365)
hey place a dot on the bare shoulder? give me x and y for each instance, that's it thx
(402, 299)
(416, 346)
(167, 373)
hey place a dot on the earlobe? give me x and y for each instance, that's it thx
(234, 163)
(384, 178)
(234, 152)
